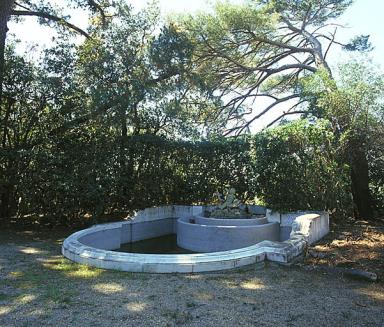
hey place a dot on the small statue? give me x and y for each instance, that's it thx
(219, 197)
(229, 207)
(230, 200)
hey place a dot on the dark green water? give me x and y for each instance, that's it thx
(158, 245)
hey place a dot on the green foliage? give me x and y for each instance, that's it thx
(117, 122)
(297, 168)
(376, 160)
(83, 173)
(65, 122)
(319, 11)
(81, 177)
(184, 172)
(359, 43)
(354, 104)
(291, 167)
(354, 100)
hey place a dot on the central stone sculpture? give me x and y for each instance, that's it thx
(229, 207)
(227, 226)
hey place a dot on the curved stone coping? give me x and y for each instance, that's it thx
(306, 229)
(163, 263)
(230, 222)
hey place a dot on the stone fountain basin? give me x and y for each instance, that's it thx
(92, 245)
(202, 234)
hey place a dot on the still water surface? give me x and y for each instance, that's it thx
(159, 245)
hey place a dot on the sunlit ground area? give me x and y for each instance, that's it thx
(38, 287)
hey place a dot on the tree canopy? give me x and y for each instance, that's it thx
(268, 49)
(141, 111)
(262, 49)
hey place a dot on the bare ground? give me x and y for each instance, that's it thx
(38, 287)
(356, 244)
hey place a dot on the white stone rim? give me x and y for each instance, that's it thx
(282, 252)
(73, 245)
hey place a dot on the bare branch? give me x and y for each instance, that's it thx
(239, 130)
(97, 7)
(22, 6)
(279, 44)
(287, 67)
(286, 114)
(305, 20)
(289, 112)
(330, 43)
(331, 39)
(50, 17)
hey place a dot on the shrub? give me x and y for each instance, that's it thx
(297, 168)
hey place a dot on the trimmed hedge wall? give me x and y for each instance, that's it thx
(83, 177)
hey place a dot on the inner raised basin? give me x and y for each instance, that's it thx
(205, 234)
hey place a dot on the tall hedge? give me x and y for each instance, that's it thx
(85, 175)
(297, 168)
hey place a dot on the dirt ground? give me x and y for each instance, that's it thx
(38, 287)
(356, 244)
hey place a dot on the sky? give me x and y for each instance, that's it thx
(363, 17)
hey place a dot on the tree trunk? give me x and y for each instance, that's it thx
(5, 189)
(5, 197)
(123, 140)
(357, 155)
(360, 182)
(5, 11)
(7, 201)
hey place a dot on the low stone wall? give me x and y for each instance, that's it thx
(92, 246)
(312, 227)
(287, 219)
(198, 237)
(148, 223)
(230, 222)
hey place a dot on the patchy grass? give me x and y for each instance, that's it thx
(180, 317)
(59, 294)
(71, 269)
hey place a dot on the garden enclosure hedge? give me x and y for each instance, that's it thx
(84, 176)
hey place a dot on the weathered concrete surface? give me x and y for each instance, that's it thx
(91, 246)
(312, 226)
(149, 229)
(256, 210)
(285, 232)
(230, 222)
(287, 220)
(212, 238)
(107, 239)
